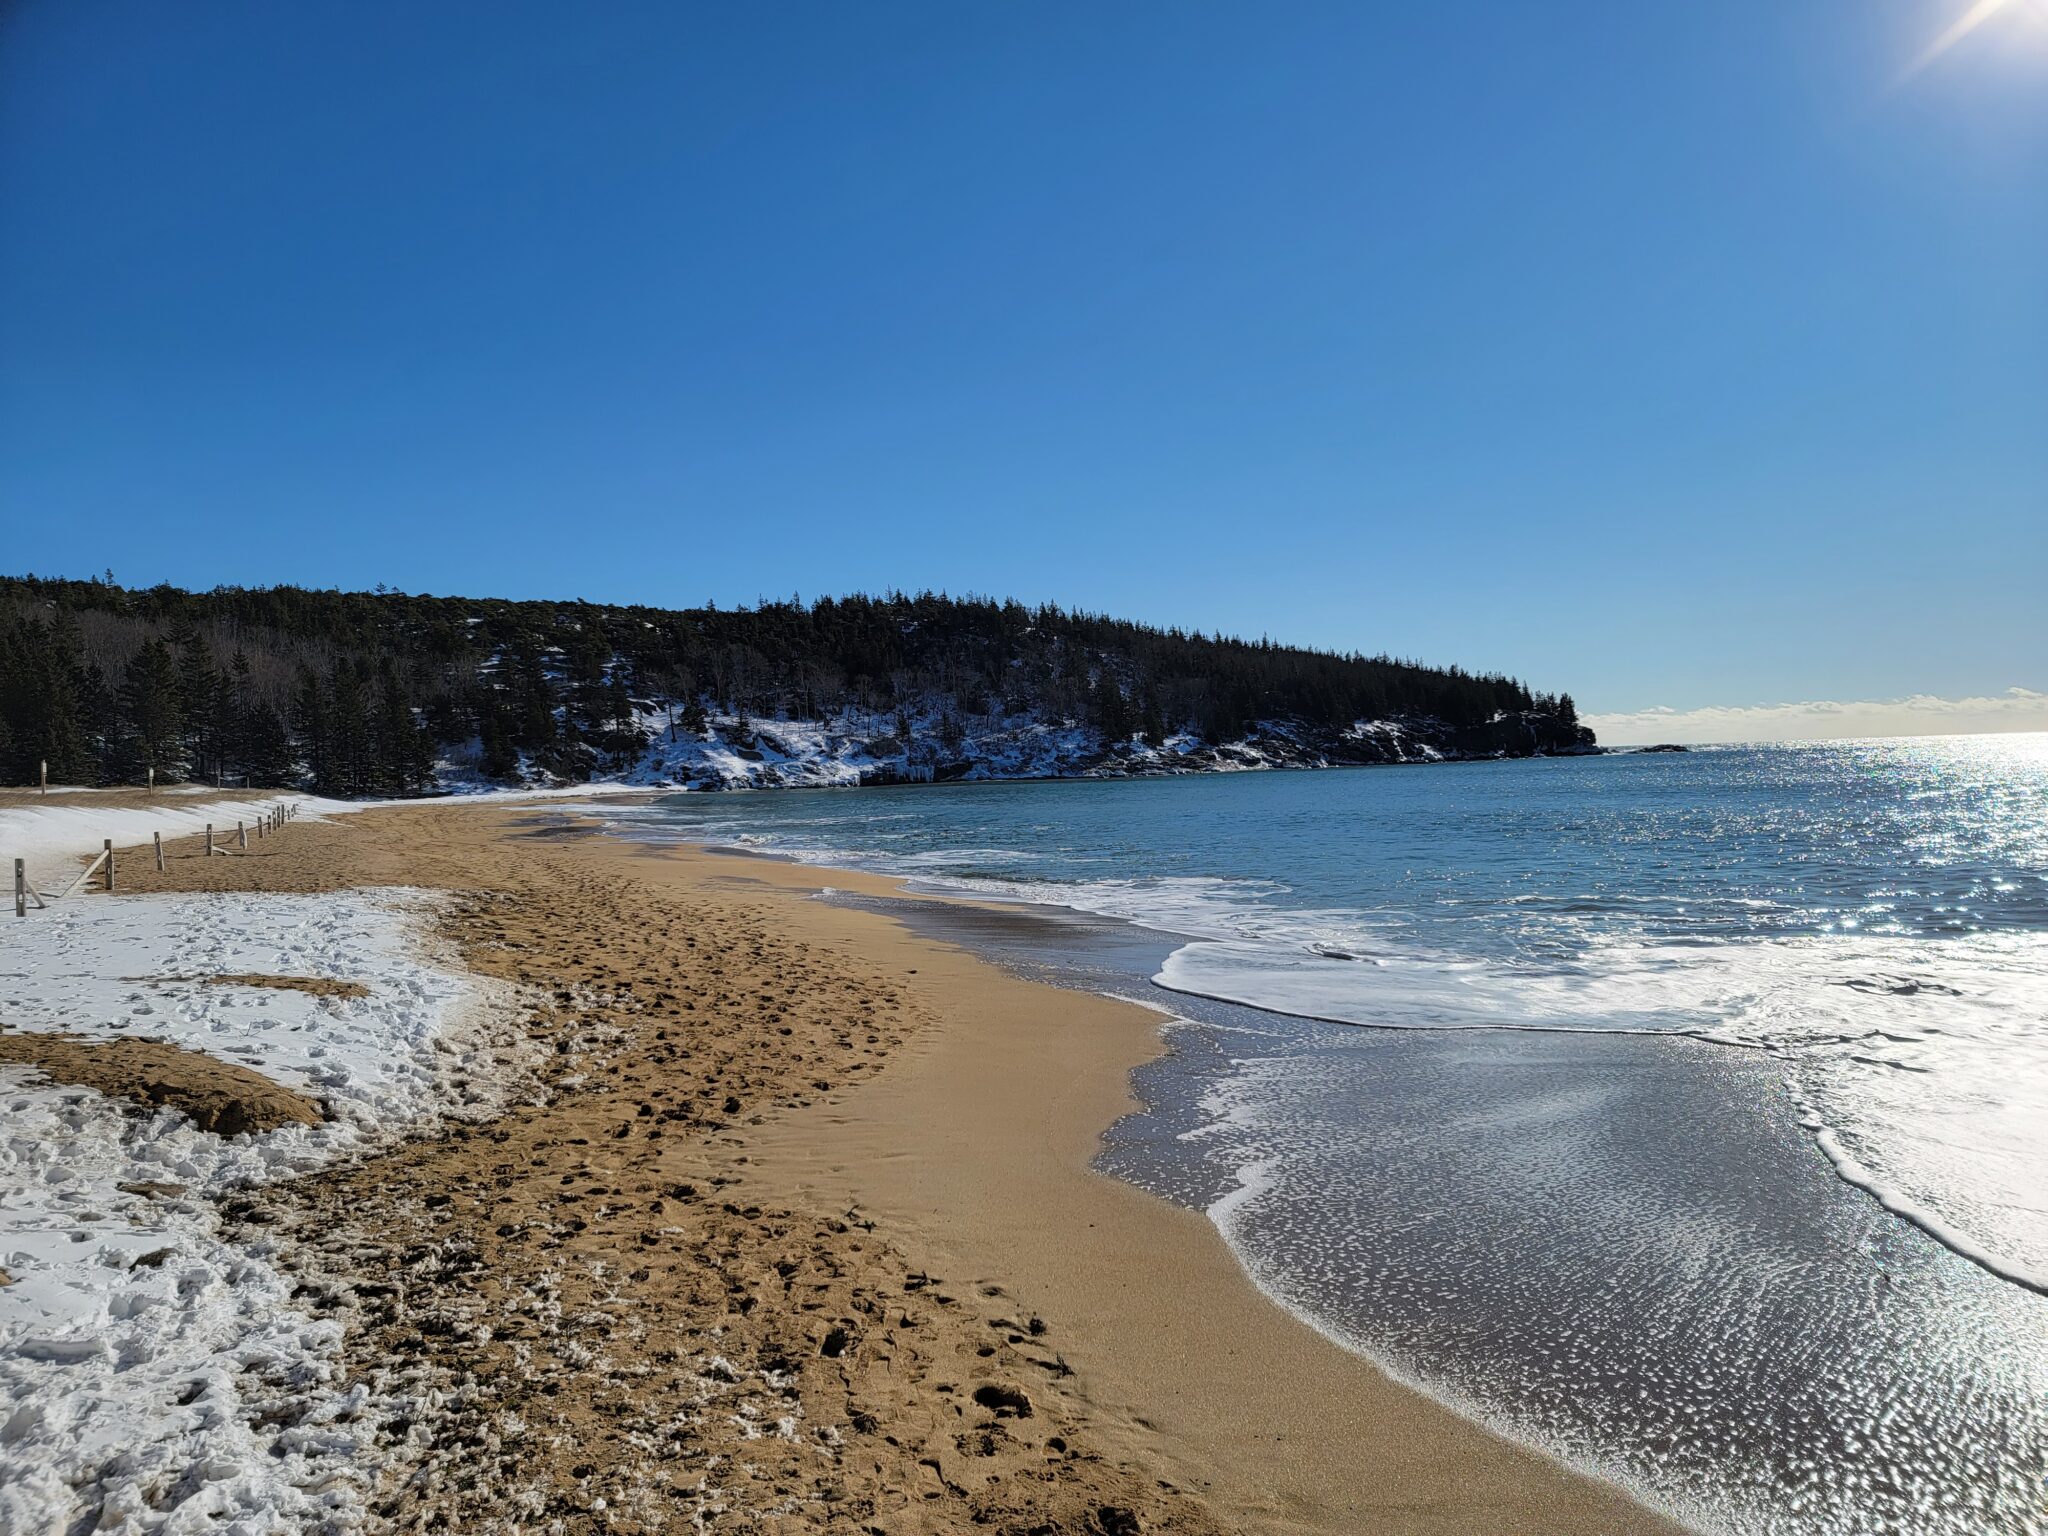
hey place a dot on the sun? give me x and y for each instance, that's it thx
(1969, 21)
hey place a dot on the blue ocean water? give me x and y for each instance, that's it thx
(1684, 1114)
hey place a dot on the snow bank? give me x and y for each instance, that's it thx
(153, 1377)
(51, 836)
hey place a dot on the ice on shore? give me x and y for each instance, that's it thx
(154, 1376)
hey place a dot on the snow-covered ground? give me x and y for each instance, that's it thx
(154, 1377)
(52, 835)
(767, 752)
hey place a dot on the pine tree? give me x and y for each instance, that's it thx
(405, 757)
(266, 747)
(351, 748)
(1151, 722)
(1108, 710)
(151, 709)
(500, 760)
(199, 687)
(309, 714)
(557, 680)
(57, 734)
(233, 693)
(99, 709)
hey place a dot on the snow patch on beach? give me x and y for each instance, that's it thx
(52, 835)
(155, 1376)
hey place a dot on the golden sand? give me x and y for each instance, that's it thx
(797, 1229)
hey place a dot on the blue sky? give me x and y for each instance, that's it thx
(1674, 355)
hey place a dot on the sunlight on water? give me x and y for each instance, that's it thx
(1698, 1132)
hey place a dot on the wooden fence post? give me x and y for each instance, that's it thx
(209, 839)
(241, 834)
(159, 851)
(20, 889)
(152, 779)
(108, 846)
(43, 768)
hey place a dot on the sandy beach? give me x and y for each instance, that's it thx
(796, 1228)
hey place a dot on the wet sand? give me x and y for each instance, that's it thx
(799, 1229)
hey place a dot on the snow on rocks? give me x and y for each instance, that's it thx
(153, 1376)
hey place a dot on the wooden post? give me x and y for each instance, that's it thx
(241, 834)
(108, 846)
(209, 839)
(44, 769)
(159, 851)
(20, 889)
(152, 778)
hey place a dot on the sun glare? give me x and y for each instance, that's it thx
(1969, 21)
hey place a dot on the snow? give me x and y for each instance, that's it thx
(155, 1377)
(51, 836)
(741, 751)
(762, 752)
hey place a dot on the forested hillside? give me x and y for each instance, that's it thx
(354, 693)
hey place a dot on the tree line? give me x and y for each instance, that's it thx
(357, 693)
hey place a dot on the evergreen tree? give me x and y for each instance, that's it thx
(199, 687)
(1108, 711)
(57, 730)
(266, 747)
(500, 759)
(558, 681)
(309, 714)
(351, 751)
(1151, 722)
(151, 709)
(233, 693)
(99, 711)
(405, 757)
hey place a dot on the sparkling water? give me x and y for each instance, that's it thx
(1683, 1114)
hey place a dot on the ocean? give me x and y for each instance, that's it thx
(1684, 1115)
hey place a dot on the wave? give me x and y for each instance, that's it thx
(1888, 1040)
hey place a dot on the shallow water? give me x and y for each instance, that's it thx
(1640, 1017)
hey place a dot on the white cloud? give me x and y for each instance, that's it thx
(1921, 714)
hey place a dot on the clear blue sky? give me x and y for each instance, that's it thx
(1669, 354)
